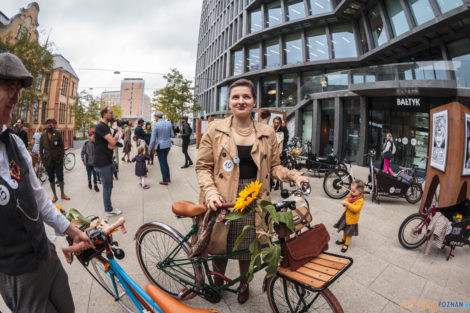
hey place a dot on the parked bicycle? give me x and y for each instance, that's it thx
(112, 277)
(40, 171)
(163, 254)
(69, 160)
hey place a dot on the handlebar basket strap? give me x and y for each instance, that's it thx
(302, 218)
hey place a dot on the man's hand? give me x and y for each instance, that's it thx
(78, 236)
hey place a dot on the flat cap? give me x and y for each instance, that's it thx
(158, 114)
(11, 68)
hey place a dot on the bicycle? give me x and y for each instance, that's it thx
(164, 256)
(69, 160)
(40, 171)
(111, 276)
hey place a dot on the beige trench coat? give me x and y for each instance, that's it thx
(217, 173)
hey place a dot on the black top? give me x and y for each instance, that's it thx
(103, 155)
(248, 168)
(283, 129)
(24, 136)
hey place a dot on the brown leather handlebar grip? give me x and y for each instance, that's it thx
(119, 223)
(226, 206)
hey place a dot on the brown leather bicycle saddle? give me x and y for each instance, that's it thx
(188, 208)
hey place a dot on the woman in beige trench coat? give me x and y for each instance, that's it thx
(232, 153)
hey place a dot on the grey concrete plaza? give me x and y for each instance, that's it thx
(383, 276)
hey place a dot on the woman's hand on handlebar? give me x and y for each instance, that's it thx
(215, 201)
(302, 179)
(78, 236)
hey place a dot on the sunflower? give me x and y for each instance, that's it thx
(247, 196)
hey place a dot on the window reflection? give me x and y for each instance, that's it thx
(255, 21)
(253, 59)
(289, 90)
(271, 53)
(269, 93)
(237, 62)
(295, 9)
(364, 42)
(317, 46)
(351, 128)
(274, 14)
(223, 97)
(447, 5)
(397, 17)
(377, 27)
(422, 11)
(292, 49)
(311, 83)
(343, 41)
(307, 123)
(319, 6)
(459, 51)
(327, 131)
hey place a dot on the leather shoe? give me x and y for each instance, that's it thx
(169, 181)
(243, 292)
(54, 199)
(65, 197)
(163, 183)
(185, 166)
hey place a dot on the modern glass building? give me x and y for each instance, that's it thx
(345, 71)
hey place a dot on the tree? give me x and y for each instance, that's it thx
(177, 98)
(87, 111)
(117, 111)
(37, 59)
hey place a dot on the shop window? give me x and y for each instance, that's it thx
(421, 10)
(364, 42)
(36, 111)
(459, 52)
(307, 124)
(317, 45)
(327, 126)
(447, 5)
(222, 103)
(255, 21)
(397, 17)
(269, 93)
(237, 62)
(351, 129)
(253, 60)
(295, 9)
(44, 112)
(24, 111)
(319, 6)
(274, 14)
(343, 41)
(292, 49)
(311, 83)
(289, 90)
(377, 27)
(335, 81)
(271, 53)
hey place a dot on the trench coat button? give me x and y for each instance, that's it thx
(267, 176)
(267, 193)
(221, 175)
(265, 156)
(224, 154)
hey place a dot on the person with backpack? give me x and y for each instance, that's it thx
(388, 153)
(186, 135)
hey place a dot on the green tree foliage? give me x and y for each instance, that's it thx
(177, 98)
(117, 111)
(87, 111)
(37, 59)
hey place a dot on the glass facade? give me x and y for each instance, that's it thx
(253, 60)
(255, 21)
(351, 128)
(307, 123)
(344, 45)
(311, 83)
(377, 27)
(317, 45)
(269, 93)
(289, 90)
(271, 53)
(327, 131)
(319, 6)
(295, 9)
(447, 5)
(222, 102)
(293, 49)
(364, 42)
(273, 14)
(237, 62)
(397, 17)
(335, 81)
(421, 10)
(459, 52)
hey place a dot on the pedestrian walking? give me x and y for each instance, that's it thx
(388, 153)
(106, 140)
(140, 167)
(35, 150)
(127, 143)
(51, 150)
(282, 138)
(148, 135)
(161, 139)
(88, 158)
(139, 130)
(32, 278)
(19, 129)
(118, 129)
(186, 138)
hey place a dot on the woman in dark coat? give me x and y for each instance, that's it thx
(140, 167)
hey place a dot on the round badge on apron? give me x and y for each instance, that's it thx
(13, 184)
(4, 195)
(228, 166)
(236, 160)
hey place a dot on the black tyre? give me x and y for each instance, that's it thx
(414, 193)
(69, 161)
(342, 166)
(154, 243)
(412, 233)
(286, 296)
(337, 183)
(41, 173)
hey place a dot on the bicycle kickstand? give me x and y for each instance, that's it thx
(451, 255)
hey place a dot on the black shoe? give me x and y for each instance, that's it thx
(185, 166)
(89, 185)
(97, 189)
(190, 163)
(340, 242)
(344, 248)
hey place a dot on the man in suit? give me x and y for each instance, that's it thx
(186, 137)
(162, 133)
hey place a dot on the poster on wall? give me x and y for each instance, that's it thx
(466, 153)
(440, 140)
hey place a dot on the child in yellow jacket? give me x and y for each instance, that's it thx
(348, 221)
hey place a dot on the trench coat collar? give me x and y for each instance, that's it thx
(225, 125)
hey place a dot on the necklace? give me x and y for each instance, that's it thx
(244, 132)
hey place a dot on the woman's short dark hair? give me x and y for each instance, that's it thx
(243, 83)
(278, 118)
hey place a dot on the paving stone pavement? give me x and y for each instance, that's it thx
(383, 275)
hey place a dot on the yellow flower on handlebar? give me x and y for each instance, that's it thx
(247, 196)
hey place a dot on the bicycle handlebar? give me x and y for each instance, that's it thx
(118, 224)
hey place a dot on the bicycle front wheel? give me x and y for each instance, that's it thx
(41, 173)
(286, 296)
(101, 267)
(164, 258)
(69, 161)
(412, 233)
(337, 183)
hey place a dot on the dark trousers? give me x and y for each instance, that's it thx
(91, 170)
(162, 155)
(187, 159)
(44, 290)
(106, 174)
(54, 170)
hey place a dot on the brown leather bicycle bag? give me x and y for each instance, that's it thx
(302, 248)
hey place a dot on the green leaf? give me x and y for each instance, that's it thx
(255, 247)
(286, 218)
(272, 212)
(79, 216)
(271, 257)
(264, 203)
(255, 260)
(235, 215)
(242, 236)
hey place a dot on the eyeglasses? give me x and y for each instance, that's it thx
(13, 90)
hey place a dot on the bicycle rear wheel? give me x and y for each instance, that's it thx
(164, 258)
(286, 296)
(69, 161)
(337, 183)
(41, 172)
(101, 267)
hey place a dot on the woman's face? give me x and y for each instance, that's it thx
(241, 101)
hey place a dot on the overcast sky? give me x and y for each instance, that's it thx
(138, 35)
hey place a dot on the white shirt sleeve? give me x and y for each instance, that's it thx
(49, 213)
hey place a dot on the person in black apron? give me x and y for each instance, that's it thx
(32, 278)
